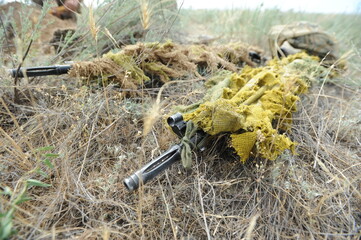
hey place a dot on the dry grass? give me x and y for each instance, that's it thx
(145, 14)
(96, 138)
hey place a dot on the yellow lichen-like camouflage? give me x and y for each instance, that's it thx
(256, 103)
(134, 65)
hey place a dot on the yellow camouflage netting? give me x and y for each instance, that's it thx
(256, 104)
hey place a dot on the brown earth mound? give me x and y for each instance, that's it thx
(40, 29)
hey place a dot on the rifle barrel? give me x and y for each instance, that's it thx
(172, 155)
(40, 71)
(153, 168)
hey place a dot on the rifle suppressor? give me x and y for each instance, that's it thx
(40, 71)
(153, 168)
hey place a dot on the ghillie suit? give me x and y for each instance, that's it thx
(255, 106)
(162, 62)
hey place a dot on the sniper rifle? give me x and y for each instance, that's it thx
(172, 155)
(63, 69)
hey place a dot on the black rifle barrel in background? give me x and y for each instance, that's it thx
(40, 71)
(63, 69)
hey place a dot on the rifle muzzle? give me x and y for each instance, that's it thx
(153, 168)
(40, 71)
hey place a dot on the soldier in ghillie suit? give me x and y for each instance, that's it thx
(66, 9)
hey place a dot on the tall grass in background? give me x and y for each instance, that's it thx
(123, 22)
(99, 29)
(252, 26)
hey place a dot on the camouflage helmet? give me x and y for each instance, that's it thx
(292, 38)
